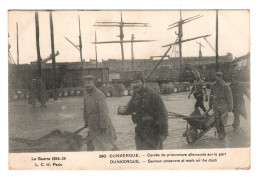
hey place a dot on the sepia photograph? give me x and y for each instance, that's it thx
(129, 80)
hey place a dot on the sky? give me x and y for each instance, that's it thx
(234, 33)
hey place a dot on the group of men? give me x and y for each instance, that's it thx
(149, 113)
(223, 98)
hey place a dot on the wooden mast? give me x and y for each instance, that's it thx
(179, 24)
(217, 65)
(121, 41)
(180, 34)
(80, 44)
(39, 72)
(132, 51)
(17, 41)
(53, 58)
(121, 25)
(96, 49)
(200, 52)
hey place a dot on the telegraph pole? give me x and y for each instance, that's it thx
(39, 70)
(217, 67)
(53, 58)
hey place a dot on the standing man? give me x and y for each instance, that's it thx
(42, 95)
(148, 114)
(222, 102)
(238, 92)
(199, 91)
(33, 93)
(102, 134)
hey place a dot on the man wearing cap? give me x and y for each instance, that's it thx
(222, 102)
(199, 91)
(102, 134)
(148, 114)
(238, 92)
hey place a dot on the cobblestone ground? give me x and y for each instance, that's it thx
(66, 115)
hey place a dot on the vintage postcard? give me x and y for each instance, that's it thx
(129, 89)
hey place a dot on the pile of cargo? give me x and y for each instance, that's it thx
(167, 88)
(65, 92)
(109, 90)
(20, 94)
(117, 90)
(175, 87)
(113, 90)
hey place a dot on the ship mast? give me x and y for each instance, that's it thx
(179, 39)
(121, 26)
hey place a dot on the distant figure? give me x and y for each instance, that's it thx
(238, 92)
(33, 93)
(148, 114)
(222, 102)
(102, 134)
(199, 91)
(42, 94)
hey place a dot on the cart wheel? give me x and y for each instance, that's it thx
(191, 135)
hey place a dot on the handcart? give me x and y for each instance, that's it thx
(197, 126)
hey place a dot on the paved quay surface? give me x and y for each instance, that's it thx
(66, 114)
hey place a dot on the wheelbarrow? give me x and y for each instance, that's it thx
(197, 126)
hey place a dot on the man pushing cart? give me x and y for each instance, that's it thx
(221, 102)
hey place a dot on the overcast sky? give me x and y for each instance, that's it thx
(234, 33)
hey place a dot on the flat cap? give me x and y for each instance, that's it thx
(219, 74)
(88, 78)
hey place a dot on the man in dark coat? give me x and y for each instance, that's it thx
(33, 93)
(199, 91)
(148, 114)
(222, 102)
(102, 134)
(238, 92)
(42, 94)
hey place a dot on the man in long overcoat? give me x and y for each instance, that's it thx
(148, 114)
(222, 102)
(238, 92)
(102, 134)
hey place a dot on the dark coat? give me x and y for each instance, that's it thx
(32, 93)
(96, 117)
(42, 94)
(238, 92)
(221, 98)
(149, 114)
